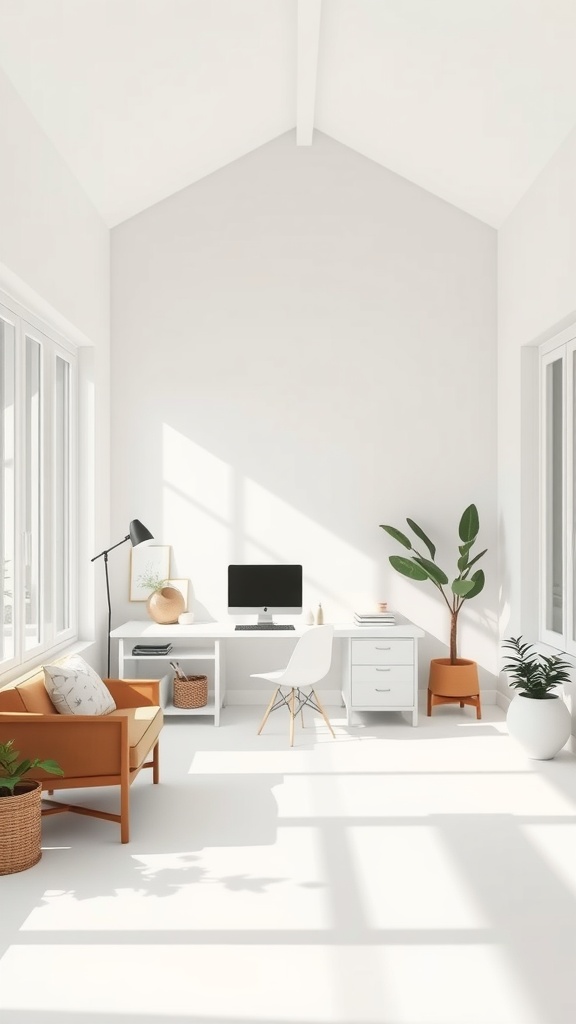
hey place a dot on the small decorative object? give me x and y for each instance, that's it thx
(453, 679)
(182, 586)
(537, 718)
(309, 618)
(186, 618)
(165, 603)
(20, 809)
(189, 691)
(319, 616)
(382, 606)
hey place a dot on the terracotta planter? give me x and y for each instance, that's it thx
(541, 727)
(165, 605)
(454, 684)
(21, 828)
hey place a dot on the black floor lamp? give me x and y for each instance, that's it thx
(137, 535)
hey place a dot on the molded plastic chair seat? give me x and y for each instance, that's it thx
(309, 664)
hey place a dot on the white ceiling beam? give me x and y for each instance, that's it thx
(308, 40)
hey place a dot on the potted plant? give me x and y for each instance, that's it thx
(537, 717)
(165, 603)
(453, 678)
(20, 809)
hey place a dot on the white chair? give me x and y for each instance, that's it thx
(309, 664)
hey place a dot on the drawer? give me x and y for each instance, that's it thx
(382, 652)
(382, 675)
(386, 693)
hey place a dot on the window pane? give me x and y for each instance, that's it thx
(7, 544)
(32, 546)
(554, 498)
(62, 495)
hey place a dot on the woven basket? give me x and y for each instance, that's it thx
(191, 692)
(20, 828)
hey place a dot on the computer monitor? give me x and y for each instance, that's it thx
(264, 590)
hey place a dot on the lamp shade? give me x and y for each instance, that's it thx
(139, 533)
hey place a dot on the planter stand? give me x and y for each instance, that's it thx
(454, 684)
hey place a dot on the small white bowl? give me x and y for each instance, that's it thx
(186, 618)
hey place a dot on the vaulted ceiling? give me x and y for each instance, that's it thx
(467, 98)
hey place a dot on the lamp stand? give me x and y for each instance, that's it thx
(104, 555)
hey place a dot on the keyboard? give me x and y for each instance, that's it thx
(265, 625)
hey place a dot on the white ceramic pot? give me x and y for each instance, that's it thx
(541, 727)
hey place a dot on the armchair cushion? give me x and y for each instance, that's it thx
(144, 725)
(76, 689)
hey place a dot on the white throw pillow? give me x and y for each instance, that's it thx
(76, 689)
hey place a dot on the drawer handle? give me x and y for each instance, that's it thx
(378, 669)
(378, 648)
(383, 691)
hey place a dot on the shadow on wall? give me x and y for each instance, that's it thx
(213, 511)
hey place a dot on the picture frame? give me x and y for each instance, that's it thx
(153, 559)
(182, 586)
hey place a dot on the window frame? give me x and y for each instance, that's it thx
(52, 346)
(561, 348)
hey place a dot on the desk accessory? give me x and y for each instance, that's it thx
(138, 534)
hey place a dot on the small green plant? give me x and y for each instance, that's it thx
(421, 567)
(151, 581)
(532, 673)
(12, 770)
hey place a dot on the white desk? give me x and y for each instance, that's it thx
(379, 663)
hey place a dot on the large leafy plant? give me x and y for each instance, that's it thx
(535, 675)
(464, 586)
(12, 770)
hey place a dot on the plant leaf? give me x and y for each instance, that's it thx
(462, 587)
(462, 563)
(434, 571)
(476, 558)
(469, 524)
(408, 567)
(397, 535)
(422, 536)
(50, 766)
(477, 579)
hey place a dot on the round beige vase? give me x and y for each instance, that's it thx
(453, 683)
(165, 605)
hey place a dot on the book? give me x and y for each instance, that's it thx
(151, 649)
(378, 619)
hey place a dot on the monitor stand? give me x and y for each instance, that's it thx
(265, 619)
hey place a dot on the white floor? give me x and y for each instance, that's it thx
(392, 875)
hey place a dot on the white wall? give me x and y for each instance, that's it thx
(304, 346)
(54, 258)
(537, 298)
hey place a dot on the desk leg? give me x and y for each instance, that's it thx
(217, 692)
(415, 716)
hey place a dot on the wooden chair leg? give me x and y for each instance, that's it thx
(429, 704)
(156, 764)
(268, 710)
(125, 811)
(322, 712)
(292, 703)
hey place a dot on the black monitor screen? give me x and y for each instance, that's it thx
(265, 586)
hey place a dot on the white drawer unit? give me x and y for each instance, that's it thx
(381, 674)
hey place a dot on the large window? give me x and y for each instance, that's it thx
(37, 491)
(558, 492)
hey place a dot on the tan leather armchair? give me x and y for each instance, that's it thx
(93, 750)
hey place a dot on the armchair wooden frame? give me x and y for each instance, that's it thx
(94, 751)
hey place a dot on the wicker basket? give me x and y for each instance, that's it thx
(191, 692)
(20, 828)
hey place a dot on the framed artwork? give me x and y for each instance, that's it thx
(182, 586)
(147, 562)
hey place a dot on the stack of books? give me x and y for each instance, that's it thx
(153, 650)
(374, 618)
